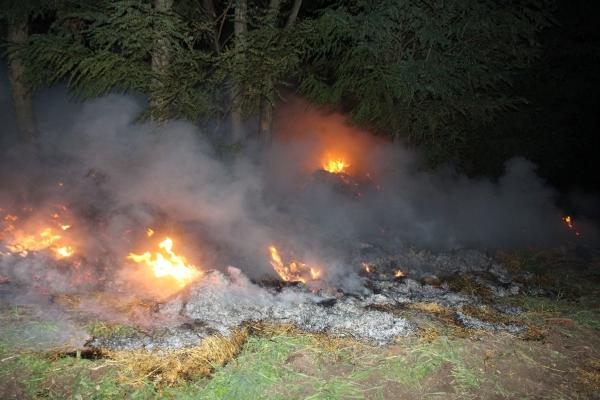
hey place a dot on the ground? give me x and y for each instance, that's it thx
(560, 361)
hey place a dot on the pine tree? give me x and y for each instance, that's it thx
(17, 15)
(425, 71)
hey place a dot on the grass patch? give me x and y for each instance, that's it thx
(424, 359)
(109, 330)
(31, 375)
(172, 367)
(538, 309)
(468, 285)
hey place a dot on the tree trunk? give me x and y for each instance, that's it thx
(265, 116)
(294, 14)
(265, 120)
(21, 96)
(209, 8)
(160, 64)
(240, 27)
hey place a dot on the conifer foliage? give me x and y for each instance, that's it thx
(423, 70)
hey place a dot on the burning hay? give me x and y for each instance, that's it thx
(37, 232)
(294, 271)
(166, 264)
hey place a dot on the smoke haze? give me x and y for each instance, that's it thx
(120, 177)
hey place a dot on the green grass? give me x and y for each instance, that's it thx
(585, 312)
(425, 359)
(108, 330)
(281, 367)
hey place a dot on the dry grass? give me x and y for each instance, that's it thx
(468, 285)
(172, 367)
(533, 332)
(323, 341)
(431, 308)
(589, 375)
(428, 335)
(68, 301)
(168, 368)
(487, 314)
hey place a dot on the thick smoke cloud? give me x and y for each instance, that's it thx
(123, 176)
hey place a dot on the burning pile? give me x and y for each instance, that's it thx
(22, 235)
(166, 264)
(336, 166)
(294, 271)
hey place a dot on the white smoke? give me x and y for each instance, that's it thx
(130, 175)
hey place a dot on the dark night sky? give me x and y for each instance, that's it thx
(559, 130)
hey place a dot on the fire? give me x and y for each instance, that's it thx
(64, 251)
(33, 236)
(336, 166)
(398, 274)
(165, 263)
(368, 267)
(149, 232)
(294, 271)
(23, 243)
(568, 220)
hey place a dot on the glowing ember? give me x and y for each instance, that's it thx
(149, 232)
(398, 274)
(294, 271)
(568, 220)
(368, 267)
(166, 264)
(64, 251)
(30, 237)
(335, 166)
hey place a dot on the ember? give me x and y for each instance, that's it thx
(336, 166)
(165, 263)
(568, 220)
(294, 271)
(22, 236)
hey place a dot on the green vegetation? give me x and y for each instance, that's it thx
(424, 71)
(104, 329)
(585, 312)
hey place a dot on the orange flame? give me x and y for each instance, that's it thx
(568, 220)
(31, 238)
(368, 267)
(398, 274)
(293, 272)
(64, 251)
(336, 166)
(166, 264)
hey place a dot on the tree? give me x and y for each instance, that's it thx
(426, 71)
(267, 101)
(16, 15)
(129, 46)
(179, 54)
(240, 28)
(160, 61)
